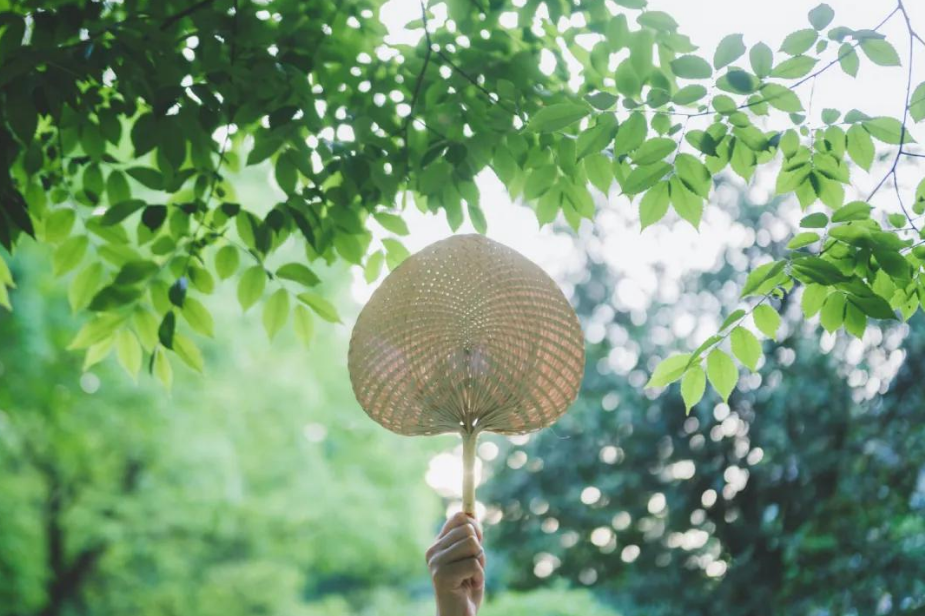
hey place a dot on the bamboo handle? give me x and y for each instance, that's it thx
(469, 445)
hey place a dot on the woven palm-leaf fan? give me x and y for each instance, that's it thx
(466, 336)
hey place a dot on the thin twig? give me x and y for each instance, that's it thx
(420, 79)
(902, 130)
(797, 84)
(491, 96)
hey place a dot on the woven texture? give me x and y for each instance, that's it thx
(466, 336)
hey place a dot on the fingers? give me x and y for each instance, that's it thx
(459, 519)
(455, 530)
(454, 574)
(468, 546)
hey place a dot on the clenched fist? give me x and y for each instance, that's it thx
(457, 567)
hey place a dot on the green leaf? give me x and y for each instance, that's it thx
(722, 373)
(817, 270)
(833, 312)
(817, 220)
(6, 276)
(298, 273)
(880, 51)
(654, 204)
(597, 137)
(897, 220)
(830, 116)
(821, 16)
(602, 100)
(136, 271)
(187, 350)
(153, 216)
(691, 67)
(658, 20)
(303, 323)
(688, 205)
(95, 330)
(276, 312)
(59, 223)
(98, 352)
(85, 285)
(813, 297)
(643, 178)
(917, 103)
(373, 266)
(69, 254)
(391, 222)
(855, 320)
(803, 239)
(795, 67)
(730, 49)
(198, 316)
(149, 178)
(693, 386)
(128, 352)
(856, 210)
(146, 328)
(762, 59)
(848, 59)
(745, 347)
(120, 211)
(322, 307)
(556, 117)
(734, 317)
(873, 306)
(285, 173)
(117, 188)
(669, 370)
(689, 94)
(631, 134)
(166, 330)
(766, 320)
(600, 171)
(251, 285)
(888, 130)
(547, 208)
(799, 42)
(540, 180)
(395, 253)
(162, 369)
(695, 175)
(226, 261)
(860, 146)
(762, 275)
(477, 217)
(781, 98)
(653, 150)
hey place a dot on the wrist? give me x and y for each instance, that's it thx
(452, 607)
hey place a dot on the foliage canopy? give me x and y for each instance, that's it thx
(123, 126)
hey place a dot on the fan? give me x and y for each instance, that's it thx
(466, 336)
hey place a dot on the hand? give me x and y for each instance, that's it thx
(457, 567)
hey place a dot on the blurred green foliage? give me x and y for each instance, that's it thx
(261, 489)
(804, 495)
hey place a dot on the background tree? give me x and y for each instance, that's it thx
(262, 490)
(803, 494)
(123, 126)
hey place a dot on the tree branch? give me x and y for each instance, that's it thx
(902, 131)
(186, 13)
(797, 84)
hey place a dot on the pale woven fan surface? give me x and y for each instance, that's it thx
(466, 335)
